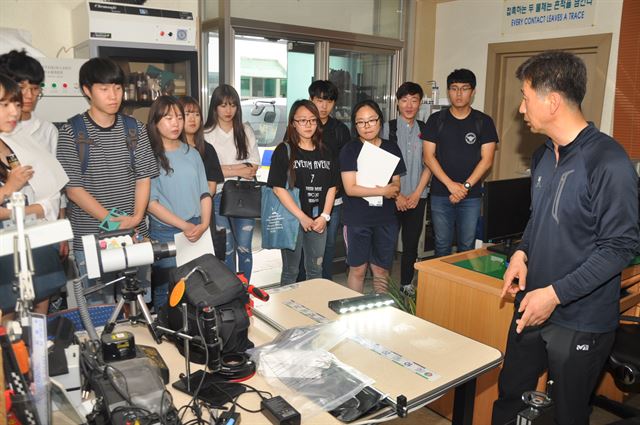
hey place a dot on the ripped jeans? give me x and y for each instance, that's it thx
(239, 233)
(313, 244)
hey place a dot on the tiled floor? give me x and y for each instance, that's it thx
(266, 270)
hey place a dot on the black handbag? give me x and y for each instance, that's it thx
(241, 198)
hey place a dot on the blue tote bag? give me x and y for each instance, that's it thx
(279, 226)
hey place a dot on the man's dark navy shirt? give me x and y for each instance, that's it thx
(583, 229)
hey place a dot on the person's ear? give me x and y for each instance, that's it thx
(554, 100)
(87, 91)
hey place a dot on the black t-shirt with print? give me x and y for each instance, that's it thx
(315, 171)
(458, 146)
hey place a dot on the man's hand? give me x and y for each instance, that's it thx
(412, 200)
(536, 307)
(458, 191)
(515, 278)
(194, 234)
(127, 221)
(401, 202)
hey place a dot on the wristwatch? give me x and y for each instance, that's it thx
(467, 185)
(327, 217)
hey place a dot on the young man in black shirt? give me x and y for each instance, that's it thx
(460, 143)
(335, 135)
(582, 232)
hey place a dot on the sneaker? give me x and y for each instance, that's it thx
(408, 290)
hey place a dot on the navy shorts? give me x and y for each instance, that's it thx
(371, 244)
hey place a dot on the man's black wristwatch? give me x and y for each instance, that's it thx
(466, 185)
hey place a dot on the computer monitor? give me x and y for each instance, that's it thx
(505, 207)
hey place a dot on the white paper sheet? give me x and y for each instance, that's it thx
(375, 168)
(187, 251)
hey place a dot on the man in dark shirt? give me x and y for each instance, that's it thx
(335, 135)
(459, 148)
(582, 232)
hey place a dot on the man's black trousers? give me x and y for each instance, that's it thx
(574, 361)
(412, 225)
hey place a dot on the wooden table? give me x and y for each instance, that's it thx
(469, 303)
(456, 360)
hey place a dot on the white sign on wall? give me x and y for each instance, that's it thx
(533, 15)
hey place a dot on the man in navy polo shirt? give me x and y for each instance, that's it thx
(460, 143)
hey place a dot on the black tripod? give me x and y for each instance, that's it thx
(132, 294)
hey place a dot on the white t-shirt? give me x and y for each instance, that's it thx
(42, 132)
(225, 146)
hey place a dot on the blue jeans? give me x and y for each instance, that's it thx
(162, 233)
(313, 244)
(239, 234)
(462, 216)
(106, 296)
(330, 248)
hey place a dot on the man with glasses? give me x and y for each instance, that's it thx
(29, 74)
(460, 143)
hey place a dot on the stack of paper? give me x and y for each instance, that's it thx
(375, 168)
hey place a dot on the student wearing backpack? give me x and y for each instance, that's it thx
(109, 161)
(460, 143)
(407, 132)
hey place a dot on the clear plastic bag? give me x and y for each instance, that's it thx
(298, 361)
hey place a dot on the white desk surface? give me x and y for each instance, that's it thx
(453, 357)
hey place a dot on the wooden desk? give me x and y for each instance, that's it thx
(469, 303)
(456, 360)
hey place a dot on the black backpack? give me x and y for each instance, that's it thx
(217, 287)
(393, 129)
(84, 143)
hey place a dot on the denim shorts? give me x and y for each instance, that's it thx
(371, 244)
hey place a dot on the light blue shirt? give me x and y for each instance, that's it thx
(410, 145)
(180, 191)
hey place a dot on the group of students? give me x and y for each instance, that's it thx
(166, 176)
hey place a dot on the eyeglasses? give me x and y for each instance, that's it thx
(305, 123)
(35, 91)
(368, 123)
(463, 89)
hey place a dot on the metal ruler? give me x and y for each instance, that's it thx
(40, 366)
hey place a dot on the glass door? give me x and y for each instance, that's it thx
(359, 75)
(270, 75)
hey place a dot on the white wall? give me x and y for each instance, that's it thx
(464, 28)
(49, 21)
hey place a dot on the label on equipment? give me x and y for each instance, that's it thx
(381, 350)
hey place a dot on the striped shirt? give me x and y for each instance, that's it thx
(108, 177)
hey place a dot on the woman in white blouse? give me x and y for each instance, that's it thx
(238, 153)
(40, 178)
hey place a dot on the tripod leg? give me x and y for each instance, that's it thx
(148, 319)
(108, 328)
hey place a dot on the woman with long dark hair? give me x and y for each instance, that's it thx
(180, 199)
(303, 161)
(238, 153)
(371, 231)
